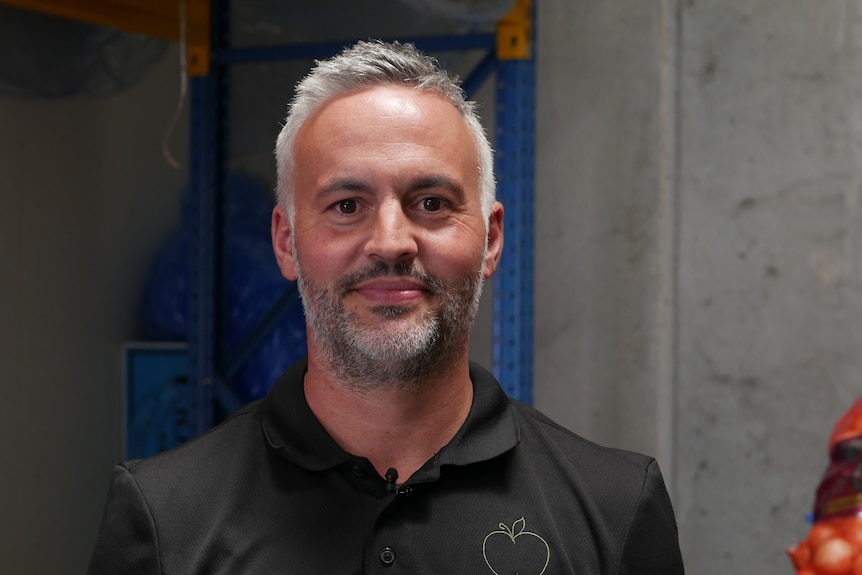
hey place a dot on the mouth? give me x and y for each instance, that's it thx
(390, 291)
(382, 285)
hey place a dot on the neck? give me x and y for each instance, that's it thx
(391, 426)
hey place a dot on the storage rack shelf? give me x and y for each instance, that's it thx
(509, 54)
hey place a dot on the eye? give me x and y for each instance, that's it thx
(432, 204)
(346, 206)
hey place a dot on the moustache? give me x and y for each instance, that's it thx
(381, 269)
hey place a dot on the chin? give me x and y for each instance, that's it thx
(392, 311)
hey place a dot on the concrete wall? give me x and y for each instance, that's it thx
(602, 214)
(698, 262)
(769, 276)
(699, 173)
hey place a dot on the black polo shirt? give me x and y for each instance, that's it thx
(269, 491)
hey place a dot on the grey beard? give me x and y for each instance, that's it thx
(367, 359)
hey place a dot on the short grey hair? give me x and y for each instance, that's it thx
(375, 63)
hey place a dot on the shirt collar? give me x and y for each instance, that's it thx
(290, 427)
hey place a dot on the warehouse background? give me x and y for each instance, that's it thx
(698, 175)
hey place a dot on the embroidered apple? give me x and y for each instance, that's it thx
(513, 551)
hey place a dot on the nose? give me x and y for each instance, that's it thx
(392, 238)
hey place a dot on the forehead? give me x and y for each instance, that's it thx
(393, 98)
(387, 114)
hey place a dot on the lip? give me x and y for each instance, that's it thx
(390, 291)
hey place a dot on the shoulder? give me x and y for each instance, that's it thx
(541, 442)
(536, 427)
(617, 475)
(237, 438)
(162, 510)
(622, 491)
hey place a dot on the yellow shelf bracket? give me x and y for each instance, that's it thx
(515, 32)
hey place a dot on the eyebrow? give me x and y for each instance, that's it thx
(426, 182)
(342, 184)
(437, 181)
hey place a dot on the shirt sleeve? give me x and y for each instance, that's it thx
(127, 542)
(652, 543)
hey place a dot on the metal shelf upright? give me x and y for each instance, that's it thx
(512, 352)
(208, 153)
(510, 54)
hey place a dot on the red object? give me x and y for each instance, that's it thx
(849, 426)
(834, 544)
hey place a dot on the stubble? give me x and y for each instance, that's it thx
(402, 347)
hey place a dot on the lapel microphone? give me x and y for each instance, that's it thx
(392, 486)
(391, 478)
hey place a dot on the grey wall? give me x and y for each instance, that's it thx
(698, 262)
(602, 216)
(85, 201)
(768, 266)
(698, 233)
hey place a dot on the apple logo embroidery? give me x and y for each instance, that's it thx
(513, 551)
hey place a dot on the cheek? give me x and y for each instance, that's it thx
(458, 254)
(323, 258)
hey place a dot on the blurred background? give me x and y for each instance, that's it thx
(698, 235)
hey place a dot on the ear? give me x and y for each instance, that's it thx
(282, 243)
(495, 239)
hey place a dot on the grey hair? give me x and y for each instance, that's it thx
(375, 63)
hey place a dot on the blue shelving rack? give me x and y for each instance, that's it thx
(509, 54)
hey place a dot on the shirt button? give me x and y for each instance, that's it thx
(387, 556)
(357, 471)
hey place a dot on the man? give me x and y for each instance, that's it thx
(387, 450)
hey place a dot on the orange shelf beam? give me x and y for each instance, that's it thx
(158, 18)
